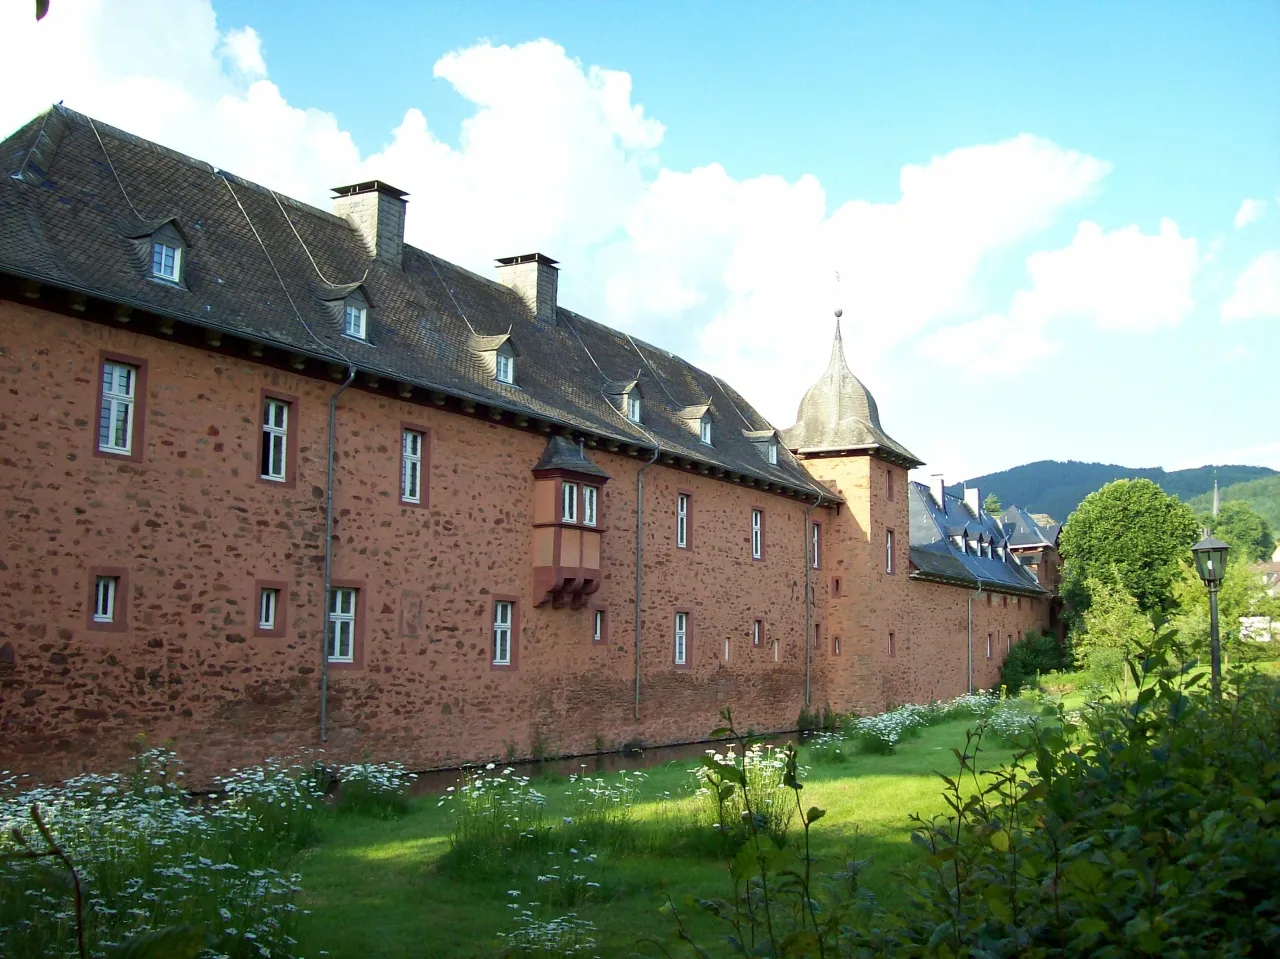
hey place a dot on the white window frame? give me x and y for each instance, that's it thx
(757, 629)
(411, 466)
(682, 520)
(633, 407)
(775, 650)
(117, 405)
(888, 551)
(105, 590)
(590, 495)
(277, 436)
(503, 616)
(597, 634)
(505, 367)
(726, 649)
(165, 248)
(989, 642)
(568, 502)
(268, 607)
(757, 534)
(704, 430)
(771, 453)
(816, 545)
(359, 329)
(681, 652)
(342, 623)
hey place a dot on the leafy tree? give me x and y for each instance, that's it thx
(1240, 527)
(992, 504)
(1130, 532)
(1114, 628)
(1241, 594)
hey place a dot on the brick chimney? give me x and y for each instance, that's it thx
(535, 278)
(973, 500)
(376, 210)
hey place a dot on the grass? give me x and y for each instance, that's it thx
(388, 888)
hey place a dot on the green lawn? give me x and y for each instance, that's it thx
(377, 888)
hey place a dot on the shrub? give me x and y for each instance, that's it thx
(1035, 655)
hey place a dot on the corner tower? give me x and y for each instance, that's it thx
(839, 436)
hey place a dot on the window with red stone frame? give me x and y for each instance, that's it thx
(279, 625)
(137, 412)
(418, 462)
(265, 432)
(336, 614)
(504, 624)
(119, 599)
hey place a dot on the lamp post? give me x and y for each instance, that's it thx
(1211, 563)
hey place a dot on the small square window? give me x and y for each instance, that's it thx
(268, 608)
(166, 261)
(104, 599)
(355, 321)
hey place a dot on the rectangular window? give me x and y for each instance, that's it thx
(888, 551)
(354, 323)
(104, 599)
(989, 644)
(633, 407)
(569, 496)
(757, 632)
(835, 645)
(589, 494)
(115, 423)
(598, 627)
(506, 367)
(757, 534)
(816, 545)
(704, 431)
(682, 638)
(268, 604)
(817, 636)
(888, 483)
(682, 520)
(893, 646)
(411, 467)
(275, 439)
(775, 650)
(726, 649)
(835, 587)
(342, 626)
(1008, 643)
(166, 261)
(771, 454)
(502, 616)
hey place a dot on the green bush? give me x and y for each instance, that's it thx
(1035, 655)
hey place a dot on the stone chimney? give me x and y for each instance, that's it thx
(938, 486)
(972, 499)
(535, 278)
(376, 210)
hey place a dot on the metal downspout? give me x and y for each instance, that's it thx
(972, 596)
(328, 562)
(808, 601)
(640, 563)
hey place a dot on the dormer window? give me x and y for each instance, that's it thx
(771, 453)
(166, 260)
(704, 430)
(355, 320)
(633, 406)
(505, 366)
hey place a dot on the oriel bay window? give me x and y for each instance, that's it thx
(567, 524)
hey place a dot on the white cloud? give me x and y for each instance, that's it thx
(1256, 293)
(1250, 212)
(243, 48)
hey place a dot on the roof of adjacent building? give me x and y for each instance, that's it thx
(839, 414)
(1025, 531)
(80, 198)
(935, 555)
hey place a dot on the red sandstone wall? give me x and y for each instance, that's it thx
(195, 528)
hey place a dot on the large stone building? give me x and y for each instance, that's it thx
(274, 479)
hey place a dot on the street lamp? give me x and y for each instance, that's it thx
(1211, 564)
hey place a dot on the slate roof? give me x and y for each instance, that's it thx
(1023, 530)
(66, 221)
(563, 453)
(838, 413)
(934, 556)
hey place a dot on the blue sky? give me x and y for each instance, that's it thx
(1050, 219)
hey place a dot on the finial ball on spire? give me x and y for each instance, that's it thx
(839, 312)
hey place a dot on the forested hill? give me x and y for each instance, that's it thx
(1262, 494)
(1056, 488)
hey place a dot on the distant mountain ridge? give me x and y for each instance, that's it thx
(1056, 488)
